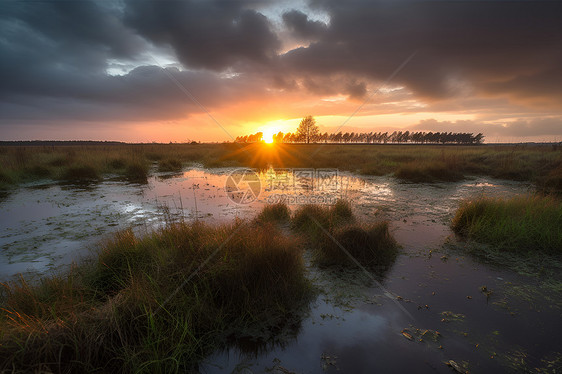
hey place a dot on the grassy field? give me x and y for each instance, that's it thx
(525, 224)
(137, 307)
(413, 163)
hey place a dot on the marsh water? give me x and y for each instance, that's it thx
(490, 318)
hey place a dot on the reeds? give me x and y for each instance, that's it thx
(338, 239)
(371, 245)
(169, 165)
(523, 224)
(274, 213)
(157, 303)
(414, 163)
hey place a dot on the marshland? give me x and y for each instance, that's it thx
(140, 258)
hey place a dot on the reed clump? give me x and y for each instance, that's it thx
(169, 165)
(371, 245)
(524, 224)
(137, 171)
(157, 303)
(80, 173)
(428, 172)
(338, 239)
(274, 213)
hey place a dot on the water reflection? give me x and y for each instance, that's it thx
(45, 226)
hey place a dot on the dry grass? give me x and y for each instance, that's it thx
(416, 163)
(337, 238)
(136, 307)
(274, 213)
(371, 245)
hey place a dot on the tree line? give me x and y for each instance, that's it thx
(308, 132)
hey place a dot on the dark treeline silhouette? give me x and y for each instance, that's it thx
(396, 137)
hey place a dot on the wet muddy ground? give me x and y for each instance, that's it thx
(489, 318)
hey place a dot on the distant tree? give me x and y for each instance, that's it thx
(478, 138)
(278, 138)
(307, 130)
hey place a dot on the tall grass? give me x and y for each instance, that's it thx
(524, 224)
(312, 219)
(428, 172)
(169, 164)
(337, 239)
(157, 303)
(427, 163)
(370, 245)
(274, 213)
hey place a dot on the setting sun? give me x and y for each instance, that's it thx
(268, 135)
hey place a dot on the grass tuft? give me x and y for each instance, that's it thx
(137, 171)
(341, 211)
(137, 307)
(552, 182)
(311, 218)
(117, 163)
(371, 245)
(169, 165)
(427, 172)
(80, 173)
(5, 178)
(524, 224)
(275, 213)
(331, 228)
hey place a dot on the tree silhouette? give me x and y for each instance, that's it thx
(307, 130)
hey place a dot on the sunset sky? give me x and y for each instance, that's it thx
(163, 71)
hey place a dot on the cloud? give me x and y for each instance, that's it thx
(498, 47)
(497, 61)
(301, 26)
(205, 34)
(549, 126)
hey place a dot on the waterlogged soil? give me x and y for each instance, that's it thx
(434, 305)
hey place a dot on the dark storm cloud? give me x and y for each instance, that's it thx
(57, 48)
(502, 55)
(55, 55)
(302, 27)
(146, 93)
(205, 34)
(497, 47)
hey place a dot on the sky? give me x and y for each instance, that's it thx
(206, 70)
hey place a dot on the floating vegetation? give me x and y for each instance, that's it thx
(329, 361)
(486, 291)
(452, 317)
(421, 335)
(458, 368)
